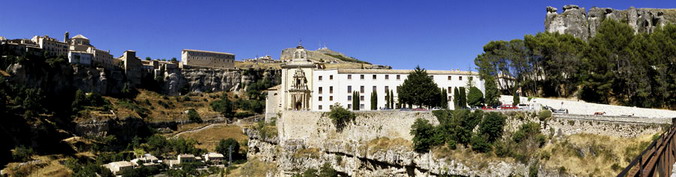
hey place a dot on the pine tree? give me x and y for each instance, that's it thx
(419, 89)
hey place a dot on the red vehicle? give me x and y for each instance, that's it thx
(508, 106)
(487, 108)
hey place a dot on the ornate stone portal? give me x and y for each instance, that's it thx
(300, 94)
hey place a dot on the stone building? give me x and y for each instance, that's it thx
(132, 66)
(51, 46)
(209, 59)
(20, 47)
(306, 86)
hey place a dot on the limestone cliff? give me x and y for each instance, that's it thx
(583, 24)
(211, 80)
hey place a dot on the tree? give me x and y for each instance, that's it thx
(456, 98)
(462, 100)
(374, 100)
(80, 100)
(387, 100)
(193, 116)
(173, 59)
(475, 97)
(355, 101)
(515, 98)
(340, 116)
(224, 146)
(422, 132)
(419, 89)
(480, 144)
(443, 103)
(492, 126)
(224, 106)
(392, 99)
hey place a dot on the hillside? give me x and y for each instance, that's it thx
(329, 58)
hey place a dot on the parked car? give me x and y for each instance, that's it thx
(560, 111)
(507, 106)
(523, 106)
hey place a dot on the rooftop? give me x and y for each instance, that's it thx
(398, 71)
(80, 37)
(204, 51)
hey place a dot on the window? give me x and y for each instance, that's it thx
(374, 77)
(361, 98)
(319, 98)
(349, 98)
(330, 77)
(320, 107)
(349, 106)
(459, 77)
(361, 89)
(398, 77)
(387, 88)
(320, 90)
(449, 90)
(449, 78)
(471, 78)
(330, 98)
(349, 89)
(361, 77)
(361, 106)
(349, 76)
(330, 89)
(320, 77)
(374, 88)
(387, 77)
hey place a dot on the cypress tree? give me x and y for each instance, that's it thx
(444, 99)
(391, 99)
(374, 100)
(463, 97)
(456, 98)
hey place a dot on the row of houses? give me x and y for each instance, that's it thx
(147, 160)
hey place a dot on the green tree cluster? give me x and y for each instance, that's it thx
(341, 116)
(456, 128)
(614, 66)
(223, 147)
(419, 89)
(193, 116)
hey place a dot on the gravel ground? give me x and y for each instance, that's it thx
(582, 107)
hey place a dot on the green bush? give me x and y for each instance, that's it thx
(480, 143)
(492, 126)
(193, 116)
(544, 115)
(422, 132)
(340, 116)
(224, 145)
(22, 153)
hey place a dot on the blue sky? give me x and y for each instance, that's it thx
(438, 35)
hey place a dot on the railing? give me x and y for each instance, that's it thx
(657, 159)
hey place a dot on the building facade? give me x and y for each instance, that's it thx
(306, 86)
(82, 58)
(51, 46)
(201, 58)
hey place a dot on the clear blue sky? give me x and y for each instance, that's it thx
(440, 34)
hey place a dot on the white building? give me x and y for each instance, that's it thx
(83, 58)
(119, 166)
(305, 86)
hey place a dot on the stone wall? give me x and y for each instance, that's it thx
(309, 139)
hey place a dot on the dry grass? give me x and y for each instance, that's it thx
(254, 168)
(42, 166)
(157, 113)
(241, 64)
(384, 144)
(592, 155)
(312, 153)
(208, 138)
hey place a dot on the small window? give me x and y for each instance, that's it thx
(449, 90)
(361, 89)
(387, 89)
(398, 77)
(330, 98)
(349, 106)
(349, 76)
(320, 107)
(320, 77)
(387, 77)
(330, 89)
(349, 98)
(374, 88)
(330, 77)
(449, 78)
(320, 90)
(471, 78)
(319, 98)
(361, 77)
(361, 106)
(361, 98)
(374, 77)
(459, 77)
(349, 89)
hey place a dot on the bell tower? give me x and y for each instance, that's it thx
(66, 37)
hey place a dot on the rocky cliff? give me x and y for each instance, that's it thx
(212, 80)
(580, 23)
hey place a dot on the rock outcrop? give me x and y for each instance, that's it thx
(211, 80)
(582, 24)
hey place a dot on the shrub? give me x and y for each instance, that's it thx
(422, 132)
(193, 116)
(223, 147)
(22, 153)
(480, 143)
(544, 115)
(340, 116)
(492, 126)
(327, 171)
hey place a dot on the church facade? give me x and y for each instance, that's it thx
(306, 86)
